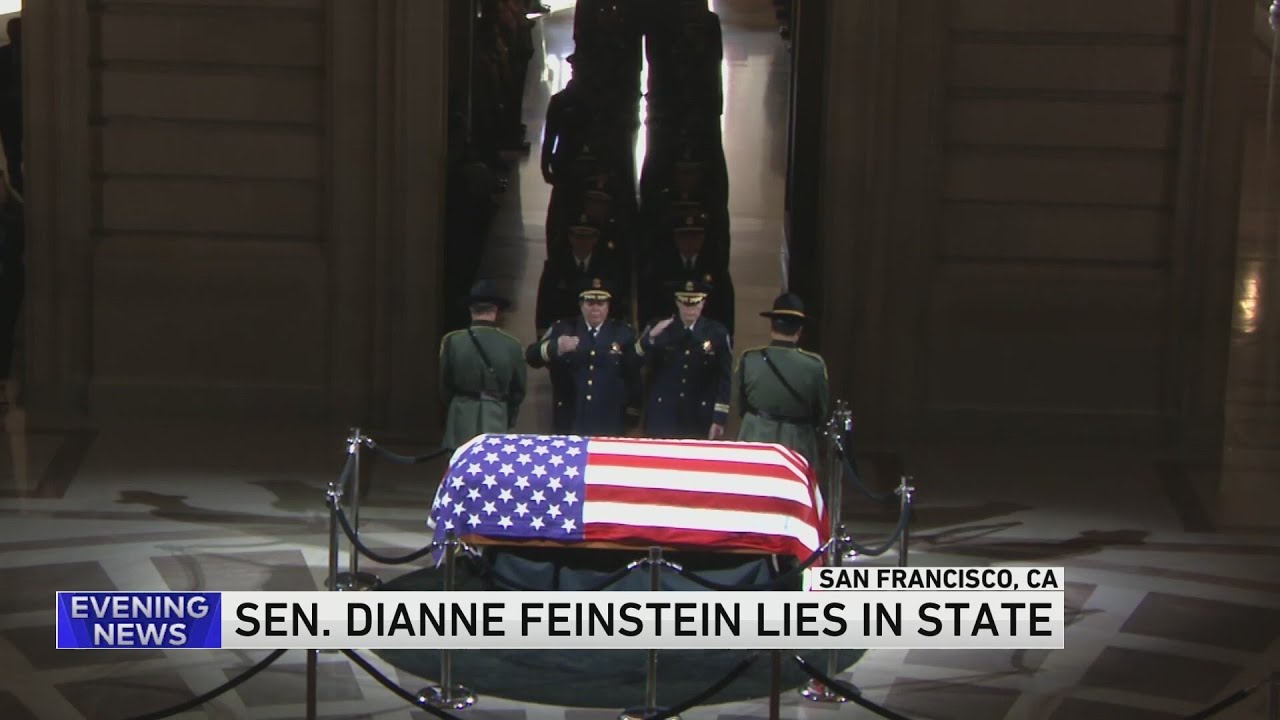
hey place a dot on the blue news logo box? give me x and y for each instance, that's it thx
(138, 620)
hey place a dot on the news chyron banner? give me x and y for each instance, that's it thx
(934, 608)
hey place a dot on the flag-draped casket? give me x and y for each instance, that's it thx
(629, 492)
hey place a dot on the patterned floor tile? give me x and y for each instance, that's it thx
(117, 698)
(1077, 709)
(286, 683)
(947, 700)
(31, 588)
(37, 645)
(1206, 622)
(269, 570)
(980, 661)
(1159, 674)
(11, 708)
(478, 712)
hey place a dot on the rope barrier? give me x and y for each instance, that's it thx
(384, 681)
(405, 459)
(712, 690)
(853, 474)
(780, 581)
(847, 692)
(1224, 703)
(224, 687)
(489, 571)
(903, 516)
(375, 556)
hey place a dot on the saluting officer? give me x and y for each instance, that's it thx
(782, 390)
(482, 374)
(595, 372)
(691, 363)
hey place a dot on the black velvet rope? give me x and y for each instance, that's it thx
(903, 516)
(711, 691)
(224, 687)
(489, 571)
(778, 582)
(846, 691)
(405, 459)
(857, 482)
(1224, 703)
(384, 681)
(372, 555)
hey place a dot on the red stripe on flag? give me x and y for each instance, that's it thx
(697, 540)
(718, 467)
(705, 500)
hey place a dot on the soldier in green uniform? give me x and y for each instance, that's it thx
(782, 390)
(482, 372)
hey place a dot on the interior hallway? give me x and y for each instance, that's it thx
(1168, 613)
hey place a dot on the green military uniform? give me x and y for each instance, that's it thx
(770, 411)
(483, 388)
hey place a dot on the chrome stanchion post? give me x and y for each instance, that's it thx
(447, 694)
(312, 662)
(334, 493)
(650, 708)
(353, 579)
(904, 491)
(814, 690)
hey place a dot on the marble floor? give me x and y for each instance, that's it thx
(1173, 590)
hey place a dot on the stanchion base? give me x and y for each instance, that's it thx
(639, 713)
(815, 691)
(458, 697)
(355, 582)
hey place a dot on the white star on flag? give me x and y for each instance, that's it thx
(522, 509)
(473, 493)
(508, 448)
(573, 452)
(554, 511)
(505, 495)
(557, 443)
(554, 483)
(539, 470)
(538, 497)
(522, 482)
(536, 523)
(524, 459)
(526, 442)
(570, 497)
(571, 472)
(556, 460)
(490, 480)
(568, 525)
(474, 520)
(489, 508)
(505, 522)
(491, 457)
(473, 469)
(507, 469)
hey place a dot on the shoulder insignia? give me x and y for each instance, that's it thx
(446, 337)
(813, 355)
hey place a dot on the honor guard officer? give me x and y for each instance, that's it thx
(482, 374)
(782, 390)
(691, 362)
(595, 372)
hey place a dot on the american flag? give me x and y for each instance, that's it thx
(687, 494)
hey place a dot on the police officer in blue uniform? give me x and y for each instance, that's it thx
(595, 372)
(691, 369)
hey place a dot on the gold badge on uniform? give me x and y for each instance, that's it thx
(615, 348)
(706, 347)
